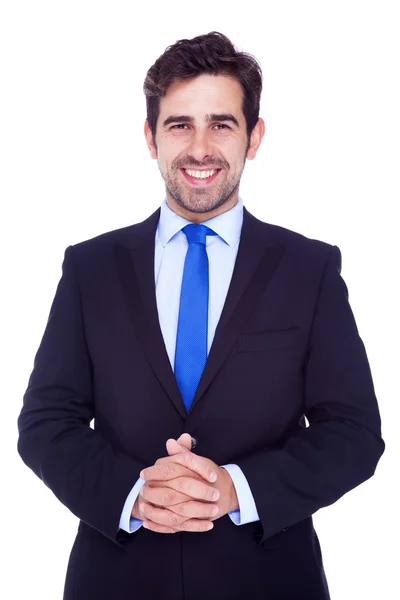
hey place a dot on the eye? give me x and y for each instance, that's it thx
(180, 126)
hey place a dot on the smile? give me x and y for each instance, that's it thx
(200, 177)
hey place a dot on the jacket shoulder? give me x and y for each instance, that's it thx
(300, 249)
(128, 236)
(297, 240)
(107, 238)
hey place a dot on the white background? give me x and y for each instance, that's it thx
(74, 164)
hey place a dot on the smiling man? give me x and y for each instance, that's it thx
(200, 340)
(202, 155)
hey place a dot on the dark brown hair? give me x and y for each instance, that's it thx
(214, 54)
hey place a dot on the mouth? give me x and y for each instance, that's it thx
(200, 178)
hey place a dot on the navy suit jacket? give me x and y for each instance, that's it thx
(286, 347)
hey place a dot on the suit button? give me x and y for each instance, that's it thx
(194, 443)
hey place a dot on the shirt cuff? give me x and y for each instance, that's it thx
(247, 511)
(127, 522)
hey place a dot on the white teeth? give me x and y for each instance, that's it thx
(200, 174)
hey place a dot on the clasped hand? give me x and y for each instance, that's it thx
(184, 491)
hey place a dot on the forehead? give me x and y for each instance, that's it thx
(206, 94)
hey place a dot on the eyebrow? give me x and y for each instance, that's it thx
(208, 119)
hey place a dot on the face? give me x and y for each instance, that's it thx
(201, 145)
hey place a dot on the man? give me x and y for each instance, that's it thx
(199, 341)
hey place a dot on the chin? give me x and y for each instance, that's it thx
(199, 207)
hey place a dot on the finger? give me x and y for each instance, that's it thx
(179, 503)
(160, 516)
(158, 528)
(196, 525)
(186, 440)
(162, 496)
(194, 488)
(167, 459)
(195, 510)
(176, 446)
(197, 464)
(193, 525)
(179, 471)
(163, 470)
(166, 471)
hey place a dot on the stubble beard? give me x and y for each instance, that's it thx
(201, 200)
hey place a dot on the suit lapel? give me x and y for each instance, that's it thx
(256, 261)
(135, 265)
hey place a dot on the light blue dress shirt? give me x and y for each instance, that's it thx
(171, 246)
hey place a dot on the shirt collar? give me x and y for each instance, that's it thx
(228, 225)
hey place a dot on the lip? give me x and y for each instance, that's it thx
(200, 182)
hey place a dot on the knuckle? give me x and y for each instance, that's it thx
(182, 509)
(189, 458)
(174, 519)
(186, 526)
(165, 471)
(168, 498)
(184, 484)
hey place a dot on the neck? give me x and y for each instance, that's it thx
(197, 217)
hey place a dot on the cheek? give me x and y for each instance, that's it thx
(232, 152)
(168, 159)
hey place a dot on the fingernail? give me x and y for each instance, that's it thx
(215, 511)
(213, 477)
(145, 525)
(216, 495)
(141, 507)
(211, 525)
(141, 475)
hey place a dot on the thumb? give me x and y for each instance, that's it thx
(182, 444)
(185, 440)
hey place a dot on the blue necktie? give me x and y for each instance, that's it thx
(191, 338)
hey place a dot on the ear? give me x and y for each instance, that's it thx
(255, 139)
(149, 140)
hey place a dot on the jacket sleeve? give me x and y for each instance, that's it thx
(342, 444)
(56, 441)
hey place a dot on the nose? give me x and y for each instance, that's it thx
(200, 147)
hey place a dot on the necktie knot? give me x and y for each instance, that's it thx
(196, 233)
